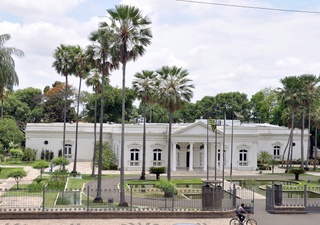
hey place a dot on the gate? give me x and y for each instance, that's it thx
(269, 199)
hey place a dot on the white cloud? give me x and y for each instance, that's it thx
(224, 49)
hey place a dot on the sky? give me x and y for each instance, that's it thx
(225, 49)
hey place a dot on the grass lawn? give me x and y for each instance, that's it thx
(6, 170)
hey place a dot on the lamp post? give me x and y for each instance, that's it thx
(231, 151)
(223, 144)
(216, 143)
(207, 147)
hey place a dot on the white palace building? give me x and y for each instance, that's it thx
(194, 146)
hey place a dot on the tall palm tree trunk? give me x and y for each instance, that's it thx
(123, 202)
(94, 137)
(315, 158)
(74, 171)
(290, 150)
(309, 142)
(169, 149)
(301, 140)
(64, 120)
(98, 198)
(143, 172)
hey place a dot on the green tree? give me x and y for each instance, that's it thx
(16, 154)
(263, 105)
(94, 81)
(29, 155)
(233, 102)
(297, 172)
(157, 171)
(143, 87)
(17, 109)
(81, 70)
(8, 75)
(60, 161)
(31, 96)
(133, 35)
(109, 160)
(104, 59)
(174, 89)
(17, 174)
(10, 132)
(41, 165)
(309, 83)
(290, 96)
(63, 65)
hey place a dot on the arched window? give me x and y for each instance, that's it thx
(134, 157)
(276, 152)
(157, 157)
(68, 150)
(243, 157)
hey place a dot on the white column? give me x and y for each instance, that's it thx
(205, 156)
(174, 156)
(191, 157)
(253, 163)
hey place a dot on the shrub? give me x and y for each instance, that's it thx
(35, 187)
(157, 171)
(296, 172)
(168, 187)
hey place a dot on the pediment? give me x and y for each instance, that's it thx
(196, 129)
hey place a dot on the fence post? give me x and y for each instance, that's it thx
(88, 198)
(173, 199)
(234, 196)
(305, 195)
(130, 197)
(43, 197)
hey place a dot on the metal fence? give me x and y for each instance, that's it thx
(307, 197)
(205, 198)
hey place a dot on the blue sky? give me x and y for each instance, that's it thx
(224, 48)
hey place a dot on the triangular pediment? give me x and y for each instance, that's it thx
(197, 129)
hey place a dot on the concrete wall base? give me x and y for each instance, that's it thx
(113, 215)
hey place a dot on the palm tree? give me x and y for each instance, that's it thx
(309, 83)
(104, 59)
(94, 80)
(8, 75)
(81, 70)
(133, 35)
(144, 88)
(63, 65)
(173, 90)
(290, 95)
(316, 123)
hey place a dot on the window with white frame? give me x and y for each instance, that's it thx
(68, 150)
(276, 152)
(157, 157)
(243, 157)
(134, 157)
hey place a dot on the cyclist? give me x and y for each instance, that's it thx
(240, 212)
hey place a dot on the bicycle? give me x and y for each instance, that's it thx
(247, 220)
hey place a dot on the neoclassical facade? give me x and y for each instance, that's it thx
(194, 146)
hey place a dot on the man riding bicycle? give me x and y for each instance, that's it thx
(240, 212)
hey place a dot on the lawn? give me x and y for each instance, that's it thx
(6, 170)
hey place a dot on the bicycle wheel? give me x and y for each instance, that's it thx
(234, 221)
(251, 222)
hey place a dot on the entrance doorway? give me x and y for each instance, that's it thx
(187, 159)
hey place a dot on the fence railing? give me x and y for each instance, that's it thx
(137, 199)
(307, 197)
